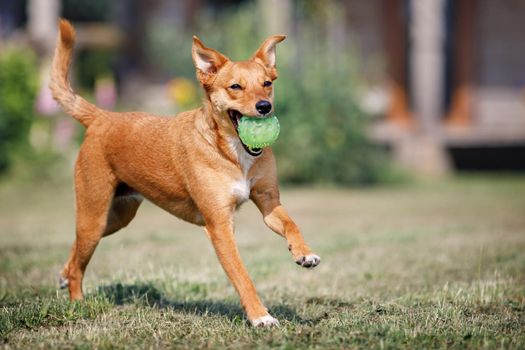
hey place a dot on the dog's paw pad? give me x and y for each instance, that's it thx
(63, 282)
(309, 261)
(265, 321)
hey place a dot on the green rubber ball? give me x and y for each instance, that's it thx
(258, 132)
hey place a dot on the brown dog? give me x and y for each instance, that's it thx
(193, 166)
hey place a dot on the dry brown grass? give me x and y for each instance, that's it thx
(435, 265)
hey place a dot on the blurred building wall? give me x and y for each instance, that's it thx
(476, 98)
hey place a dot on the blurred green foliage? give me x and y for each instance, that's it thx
(91, 65)
(18, 87)
(322, 127)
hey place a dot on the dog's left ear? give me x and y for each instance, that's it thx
(265, 54)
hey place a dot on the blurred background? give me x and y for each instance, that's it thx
(369, 91)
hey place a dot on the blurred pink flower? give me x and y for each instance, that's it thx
(63, 133)
(45, 104)
(105, 92)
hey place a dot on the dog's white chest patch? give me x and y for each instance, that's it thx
(241, 190)
(245, 160)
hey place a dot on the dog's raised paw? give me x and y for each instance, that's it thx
(63, 282)
(265, 321)
(309, 261)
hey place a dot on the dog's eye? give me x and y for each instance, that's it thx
(235, 87)
(267, 83)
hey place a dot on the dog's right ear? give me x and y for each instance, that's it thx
(207, 61)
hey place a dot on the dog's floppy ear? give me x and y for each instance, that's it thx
(265, 54)
(207, 61)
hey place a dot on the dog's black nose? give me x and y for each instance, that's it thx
(263, 107)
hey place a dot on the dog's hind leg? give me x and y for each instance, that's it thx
(123, 209)
(95, 187)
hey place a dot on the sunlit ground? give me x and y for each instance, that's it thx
(436, 265)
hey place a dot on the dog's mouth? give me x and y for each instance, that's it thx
(235, 116)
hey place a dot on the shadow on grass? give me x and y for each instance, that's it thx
(149, 295)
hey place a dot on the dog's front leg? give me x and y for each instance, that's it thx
(265, 195)
(220, 232)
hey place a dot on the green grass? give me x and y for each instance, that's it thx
(431, 265)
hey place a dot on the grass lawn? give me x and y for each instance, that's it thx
(434, 265)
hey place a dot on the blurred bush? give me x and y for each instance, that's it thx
(322, 135)
(18, 87)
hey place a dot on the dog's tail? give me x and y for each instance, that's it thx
(73, 104)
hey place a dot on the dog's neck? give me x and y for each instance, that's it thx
(244, 159)
(216, 128)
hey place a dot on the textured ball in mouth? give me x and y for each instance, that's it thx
(235, 117)
(258, 132)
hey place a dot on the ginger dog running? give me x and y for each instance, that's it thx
(193, 166)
